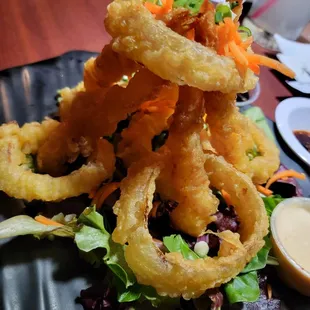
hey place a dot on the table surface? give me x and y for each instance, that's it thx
(33, 30)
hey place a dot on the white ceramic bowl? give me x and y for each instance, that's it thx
(289, 271)
(294, 114)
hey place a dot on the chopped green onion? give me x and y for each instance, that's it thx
(252, 153)
(218, 17)
(234, 4)
(245, 30)
(224, 9)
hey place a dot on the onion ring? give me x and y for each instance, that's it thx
(233, 135)
(184, 178)
(87, 112)
(171, 274)
(107, 69)
(20, 183)
(150, 121)
(169, 55)
(67, 95)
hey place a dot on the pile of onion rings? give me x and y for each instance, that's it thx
(179, 84)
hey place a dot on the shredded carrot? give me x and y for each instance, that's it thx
(167, 6)
(263, 190)
(272, 63)
(237, 54)
(104, 192)
(46, 221)
(163, 106)
(255, 68)
(153, 8)
(285, 174)
(159, 10)
(230, 44)
(206, 6)
(191, 34)
(226, 197)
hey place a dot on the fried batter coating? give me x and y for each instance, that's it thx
(235, 137)
(180, 20)
(184, 171)
(145, 125)
(205, 30)
(67, 95)
(96, 114)
(139, 36)
(18, 182)
(171, 274)
(107, 69)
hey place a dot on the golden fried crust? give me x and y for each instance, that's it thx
(233, 135)
(140, 37)
(95, 114)
(170, 273)
(19, 182)
(107, 69)
(137, 139)
(184, 171)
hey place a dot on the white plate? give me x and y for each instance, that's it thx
(293, 48)
(294, 114)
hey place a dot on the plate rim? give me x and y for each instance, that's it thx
(281, 118)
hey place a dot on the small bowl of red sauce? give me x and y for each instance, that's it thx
(293, 121)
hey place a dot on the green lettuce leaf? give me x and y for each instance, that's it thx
(271, 202)
(243, 288)
(260, 260)
(92, 218)
(175, 243)
(25, 225)
(91, 238)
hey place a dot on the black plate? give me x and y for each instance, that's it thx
(49, 275)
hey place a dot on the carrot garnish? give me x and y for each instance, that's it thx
(167, 6)
(206, 6)
(285, 174)
(265, 191)
(159, 10)
(230, 44)
(103, 193)
(190, 34)
(237, 54)
(271, 63)
(255, 68)
(226, 197)
(46, 221)
(231, 41)
(153, 8)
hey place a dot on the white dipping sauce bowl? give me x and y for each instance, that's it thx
(289, 270)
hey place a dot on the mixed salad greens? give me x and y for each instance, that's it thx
(91, 232)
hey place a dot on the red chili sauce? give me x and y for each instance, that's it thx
(303, 137)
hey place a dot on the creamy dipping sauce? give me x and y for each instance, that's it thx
(292, 225)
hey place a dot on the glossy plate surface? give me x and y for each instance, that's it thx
(44, 275)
